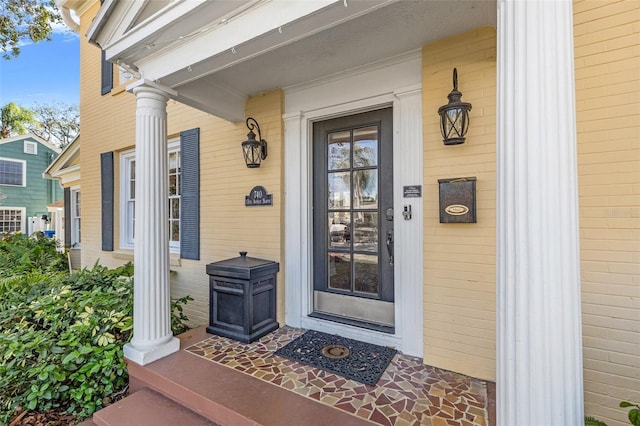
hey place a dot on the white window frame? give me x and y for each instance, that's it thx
(23, 217)
(30, 148)
(76, 215)
(127, 202)
(24, 171)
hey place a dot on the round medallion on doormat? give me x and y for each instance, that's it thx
(335, 351)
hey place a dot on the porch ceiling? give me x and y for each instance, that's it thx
(268, 45)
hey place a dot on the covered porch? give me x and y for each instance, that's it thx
(216, 380)
(213, 56)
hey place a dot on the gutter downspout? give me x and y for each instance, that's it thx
(66, 16)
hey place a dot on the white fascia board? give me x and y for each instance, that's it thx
(68, 152)
(100, 21)
(259, 20)
(173, 12)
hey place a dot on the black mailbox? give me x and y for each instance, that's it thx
(242, 297)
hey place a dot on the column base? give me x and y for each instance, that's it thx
(144, 356)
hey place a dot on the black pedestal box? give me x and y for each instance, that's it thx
(242, 297)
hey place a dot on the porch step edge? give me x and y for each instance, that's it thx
(148, 407)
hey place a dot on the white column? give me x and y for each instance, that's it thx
(539, 343)
(152, 336)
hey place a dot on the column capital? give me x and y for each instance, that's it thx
(144, 85)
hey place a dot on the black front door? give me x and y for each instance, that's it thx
(353, 219)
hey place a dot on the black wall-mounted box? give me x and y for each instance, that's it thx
(458, 200)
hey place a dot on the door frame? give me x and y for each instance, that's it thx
(396, 83)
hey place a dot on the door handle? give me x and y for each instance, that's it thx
(390, 246)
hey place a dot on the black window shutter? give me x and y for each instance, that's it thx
(107, 75)
(190, 194)
(106, 176)
(67, 217)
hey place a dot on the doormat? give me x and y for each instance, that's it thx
(362, 362)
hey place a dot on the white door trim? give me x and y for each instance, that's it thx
(398, 84)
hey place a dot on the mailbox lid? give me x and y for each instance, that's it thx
(243, 267)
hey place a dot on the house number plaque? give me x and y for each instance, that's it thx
(258, 197)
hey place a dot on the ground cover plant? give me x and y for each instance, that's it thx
(61, 334)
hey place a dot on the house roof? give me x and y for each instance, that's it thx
(31, 136)
(66, 166)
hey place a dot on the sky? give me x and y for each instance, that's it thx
(46, 72)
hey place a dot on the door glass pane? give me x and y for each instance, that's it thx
(365, 189)
(339, 230)
(339, 190)
(365, 147)
(365, 231)
(366, 273)
(339, 271)
(339, 150)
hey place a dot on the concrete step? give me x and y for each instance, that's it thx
(146, 407)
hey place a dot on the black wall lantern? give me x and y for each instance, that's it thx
(254, 150)
(454, 116)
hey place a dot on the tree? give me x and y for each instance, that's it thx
(22, 20)
(58, 123)
(15, 120)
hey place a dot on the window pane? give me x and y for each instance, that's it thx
(175, 230)
(11, 172)
(366, 273)
(174, 213)
(365, 231)
(365, 147)
(172, 185)
(10, 220)
(339, 190)
(365, 189)
(173, 163)
(339, 271)
(339, 230)
(339, 150)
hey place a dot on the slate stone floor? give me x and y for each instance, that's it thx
(408, 393)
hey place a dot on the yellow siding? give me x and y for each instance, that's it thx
(227, 226)
(459, 259)
(607, 64)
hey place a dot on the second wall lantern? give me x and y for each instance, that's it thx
(454, 116)
(254, 151)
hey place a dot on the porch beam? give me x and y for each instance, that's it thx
(539, 342)
(152, 336)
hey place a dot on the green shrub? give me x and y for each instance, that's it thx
(21, 254)
(61, 337)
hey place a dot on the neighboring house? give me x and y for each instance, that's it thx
(24, 193)
(66, 218)
(541, 293)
